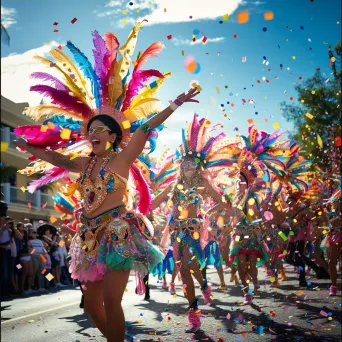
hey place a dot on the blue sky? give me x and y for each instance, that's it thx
(30, 25)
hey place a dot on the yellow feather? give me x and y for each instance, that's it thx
(120, 69)
(147, 92)
(70, 68)
(143, 110)
(48, 110)
(70, 83)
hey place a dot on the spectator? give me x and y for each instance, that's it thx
(36, 250)
(5, 253)
(26, 273)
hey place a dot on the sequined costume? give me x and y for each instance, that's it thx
(246, 239)
(114, 240)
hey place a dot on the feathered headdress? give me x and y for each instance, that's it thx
(86, 90)
(207, 150)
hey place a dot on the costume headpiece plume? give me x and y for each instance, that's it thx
(85, 91)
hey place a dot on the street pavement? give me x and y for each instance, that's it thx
(285, 314)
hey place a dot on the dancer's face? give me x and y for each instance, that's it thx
(99, 137)
(189, 168)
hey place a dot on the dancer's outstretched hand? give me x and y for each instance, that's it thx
(188, 97)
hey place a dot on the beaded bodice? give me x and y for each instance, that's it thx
(94, 193)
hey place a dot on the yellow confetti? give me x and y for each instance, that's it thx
(196, 235)
(65, 134)
(51, 125)
(272, 279)
(126, 289)
(73, 155)
(139, 321)
(308, 115)
(123, 11)
(4, 146)
(126, 124)
(23, 189)
(294, 57)
(250, 212)
(218, 90)
(43, 128)
(49, 277)
(319, 141)
(333, 59)
(225, 17)
(276, 125)
(182, 52)
(192, 271)
(84, 247)
(124, 22)
(53, 219)
(313, 92)
(108, 145)
(180, 187)
(251, 201)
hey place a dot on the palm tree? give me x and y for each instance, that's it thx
(5, 38)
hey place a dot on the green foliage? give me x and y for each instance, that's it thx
(321, 97)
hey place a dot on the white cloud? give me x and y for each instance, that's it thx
(175, 11)
(181, 41)
(15, 74)
(7, 16)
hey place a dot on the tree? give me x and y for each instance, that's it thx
(5, 38)
(317, 118)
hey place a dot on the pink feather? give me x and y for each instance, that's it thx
(194, 133)
(112, 45)
(27, 131)
(64, 100)
(136, 83)
(51, 176)
(47, 77)
(151, 51)
(142, 187)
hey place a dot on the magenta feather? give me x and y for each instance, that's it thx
(211, 142)
(136, 83)
(64, 100)
(151, 51)
(195, 126)
(142, 187)
(47, 77)
(51, 176)
(100, 53)
(27, 131)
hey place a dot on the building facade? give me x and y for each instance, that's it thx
(21, 204)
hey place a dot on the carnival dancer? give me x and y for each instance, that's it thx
(198, 153)
(111, 241)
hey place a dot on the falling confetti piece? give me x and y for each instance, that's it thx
(65, 134)
(169, 36)
(182, 52)
(49, 277)
(44, 205)
(53, 219)
(269, 15)
(294, 57)
(29, 205)
(242, 17)
(55, 23)
(60, 47)
(73, 21)
(319, 141)
(244, 59)
(276, 125)
(4, 146)
(126, 124)
(19, 267)
(225, 17)
(55, 30)
(308, 115)
(218, 90)
(23, 189)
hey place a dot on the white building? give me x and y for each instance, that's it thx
(37, 206)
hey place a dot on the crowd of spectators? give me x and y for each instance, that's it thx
(32, 259)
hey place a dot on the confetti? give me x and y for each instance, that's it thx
(126, 124)
(169, 37)
(4, 146)
(244, 59)
(65, 134)
(19, 267)
(319, 141)
(269, 15)
(55, 23)
(225, 17)
(276, 125)
(283, 236)
(53, 219)
(308, 115)
(55, 30)
(73, 21)
(242, 17)
(49, 277)
(29, 205)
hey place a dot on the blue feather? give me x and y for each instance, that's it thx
(221, 162)
(184, 141)
(246, 140)
(60, 200)
(62, 121)
(88, 71)
(163, 175)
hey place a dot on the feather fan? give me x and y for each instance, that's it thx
(47, 77)
(100, 52)
(142, 187)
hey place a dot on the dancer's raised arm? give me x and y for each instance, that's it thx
(137, 143)
(57, 159)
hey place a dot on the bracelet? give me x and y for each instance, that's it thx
(145, 128)
(173, 106)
